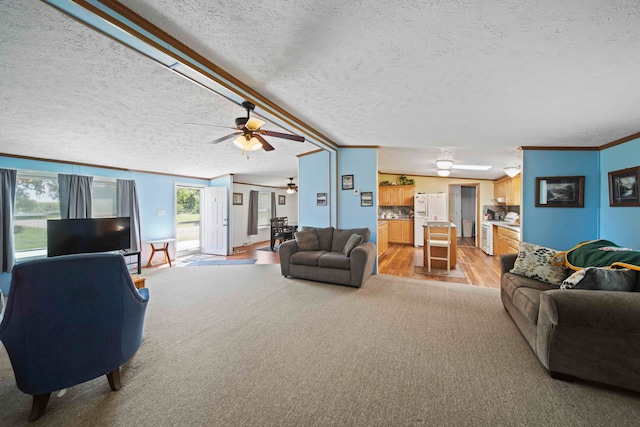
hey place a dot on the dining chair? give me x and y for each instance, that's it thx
(280, 230)
(438, 236)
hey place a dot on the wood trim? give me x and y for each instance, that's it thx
(541, 148)
(256, 97)
(359, 146)
(311, 152)
(621, 141)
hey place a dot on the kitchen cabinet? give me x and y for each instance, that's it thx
(510, 189)
(506, 241)
(383, 238)
(396, 195)
(401, 231)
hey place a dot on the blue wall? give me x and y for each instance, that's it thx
(619, 224)
(314, 177)
(362, 163)
(560, 228)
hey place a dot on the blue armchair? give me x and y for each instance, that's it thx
(70, 319)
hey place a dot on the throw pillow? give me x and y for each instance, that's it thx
(604, 279)
(535, 262)
(307, 241)
(354, 241)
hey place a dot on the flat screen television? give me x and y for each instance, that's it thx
(84, 235)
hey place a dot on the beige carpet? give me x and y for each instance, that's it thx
(241, 345)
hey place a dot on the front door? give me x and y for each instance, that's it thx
(216, 230)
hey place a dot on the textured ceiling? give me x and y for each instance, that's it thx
(470, 81)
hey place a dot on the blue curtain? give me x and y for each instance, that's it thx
(75, 196)
(127, 203)
(8, 178)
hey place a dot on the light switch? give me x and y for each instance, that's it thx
(356, 192)
(161, 212)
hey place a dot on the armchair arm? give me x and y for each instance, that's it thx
(507, 262)
(285, 251)
(363, 259)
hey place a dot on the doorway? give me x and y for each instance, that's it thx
(463, 210)
(188, 219)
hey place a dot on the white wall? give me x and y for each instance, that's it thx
(240, 214)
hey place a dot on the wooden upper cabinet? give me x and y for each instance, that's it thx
(516, 190)
(396, 195)
(509, 188)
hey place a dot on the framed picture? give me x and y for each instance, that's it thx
(347, 182)
(560, 192)
(623, 187)
(282, 199)
(237, 198)
(366, 198)
(321, 199)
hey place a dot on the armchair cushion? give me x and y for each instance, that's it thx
(307, 241)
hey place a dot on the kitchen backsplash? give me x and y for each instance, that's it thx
(496, 211)
(395, 212)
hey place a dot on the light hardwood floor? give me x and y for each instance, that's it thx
(479, 268)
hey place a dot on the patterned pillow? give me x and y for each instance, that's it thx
(534, 261)
(605, 279)
(354, 241)
(307, 241)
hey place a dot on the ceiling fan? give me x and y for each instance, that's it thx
(249, 136)
(291, 187)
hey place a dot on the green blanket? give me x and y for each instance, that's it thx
(601, 253)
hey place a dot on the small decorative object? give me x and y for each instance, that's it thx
(347, 182)
(321, 199)
(282, 200)
(623, 187)
(560, 192)
(366, 198)
(237, 198)
(385, 183)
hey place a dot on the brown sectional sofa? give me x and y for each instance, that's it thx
(329, 263)
(588, 334)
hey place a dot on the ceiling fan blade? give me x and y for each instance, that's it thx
(224, 138)
(282, 135)
(265, 145)
(213, 126)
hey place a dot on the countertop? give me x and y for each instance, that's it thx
(508, 225)
(405, 218)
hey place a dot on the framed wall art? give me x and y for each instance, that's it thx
(560, 192)
(321, 199)
(623, 187)
(366, 198)
(282, 199)
(347, 182)
(237, 198)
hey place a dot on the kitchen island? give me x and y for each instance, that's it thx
(441, 252)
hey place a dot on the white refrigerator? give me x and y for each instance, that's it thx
(427, 207)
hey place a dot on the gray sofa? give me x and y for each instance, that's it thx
(588, 334)
(328, 262)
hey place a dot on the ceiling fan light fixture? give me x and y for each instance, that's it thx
(512, 171)
(444, 172)
(444, 164)
(254, 124)
(247, 144)
(292, 188)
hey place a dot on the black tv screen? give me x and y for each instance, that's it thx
(84, 235)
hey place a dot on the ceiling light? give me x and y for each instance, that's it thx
(471, 167)
(253, 124)
(291, 187)
(444, 164)
(512, 171)
(246, 143)
(444, 172)
(290, 190)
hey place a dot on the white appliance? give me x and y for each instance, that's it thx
(487, 238)
(427, 207)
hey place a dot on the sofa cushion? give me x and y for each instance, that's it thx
(354, 241)
(325, 235)
(336, 260)
(340, 237)
(606, 279)
(512, 282)
(307, 241)
(527, 301)
(534, 261)
(306, 257)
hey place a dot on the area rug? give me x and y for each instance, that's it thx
(222, 262)
(457, 274)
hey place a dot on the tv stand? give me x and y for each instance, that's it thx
(128, 253)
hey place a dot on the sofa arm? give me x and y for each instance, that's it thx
(285, 251)
(363, 259)
(507, 262)
(617, 311)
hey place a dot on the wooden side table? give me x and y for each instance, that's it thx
(138, 281)
(164, 248)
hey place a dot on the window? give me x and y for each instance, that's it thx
(103, 193)
(36, 201)
(264, 209)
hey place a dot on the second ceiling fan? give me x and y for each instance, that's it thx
(249, 136)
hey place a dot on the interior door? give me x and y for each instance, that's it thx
(455, 207)
(216, 230)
